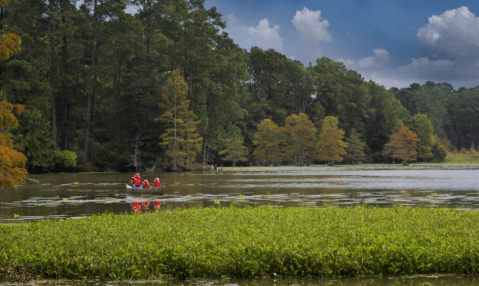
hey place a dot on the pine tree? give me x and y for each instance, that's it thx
(12, 162)
(235, 151)
(355, 149)
(405, 143)
(330, 144)
(181, 136)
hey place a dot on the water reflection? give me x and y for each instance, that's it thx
(81, 195)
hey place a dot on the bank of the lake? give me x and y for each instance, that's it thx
(245, 242)
(358, 167)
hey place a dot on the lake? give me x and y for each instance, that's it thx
(80, 195)
(419, 280)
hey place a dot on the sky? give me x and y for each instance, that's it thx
(393, 42)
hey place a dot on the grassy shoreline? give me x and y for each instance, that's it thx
(244, 242)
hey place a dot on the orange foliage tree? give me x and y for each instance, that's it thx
(12, 162)
(404, 143)
(9, 45)
(330, 144)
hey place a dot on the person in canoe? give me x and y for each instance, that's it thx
(136, 181)
(156, 183)
(146, 185)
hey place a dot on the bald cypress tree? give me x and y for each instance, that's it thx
(355, 149)
(331, 145)
(234, 151)
(404, 143)
(181, 137)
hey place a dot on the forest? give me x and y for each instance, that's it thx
(99, 85)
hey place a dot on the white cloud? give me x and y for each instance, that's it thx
(379, 60)
(266, 37)
(262, 35)
(455, 32)
(388, 81)
(309, 26)
(452, 40)
(424, 65)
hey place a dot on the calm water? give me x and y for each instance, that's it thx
(81, 195)
(419, 280)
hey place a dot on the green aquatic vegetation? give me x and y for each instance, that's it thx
(246, 242)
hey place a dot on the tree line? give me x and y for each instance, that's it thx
(94, 83)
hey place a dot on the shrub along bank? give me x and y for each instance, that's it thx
(245, 242)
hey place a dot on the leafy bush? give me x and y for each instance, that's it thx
(65, 160)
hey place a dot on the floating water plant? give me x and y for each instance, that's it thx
(246, 242)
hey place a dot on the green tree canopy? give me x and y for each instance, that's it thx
(355, 148)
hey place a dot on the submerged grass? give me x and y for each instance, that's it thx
(245, 242)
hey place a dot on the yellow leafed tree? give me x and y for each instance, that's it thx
(302, 139)
(12, 162)
(181, 136)
(269, 142)
(404, 143)
(235, 151)
(331, 145)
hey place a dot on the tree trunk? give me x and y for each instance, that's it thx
(118, 102)
(65, 120)
(148, 44)
(93, 110)
(52, 73)
(64, 142)
(190, 83)
(136, 161)
(176, 142)
(203, 150)
(208, 154)
(92, 59)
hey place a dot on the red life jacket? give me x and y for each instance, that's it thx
(156, 184)
(146, 185)
(136, 180)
